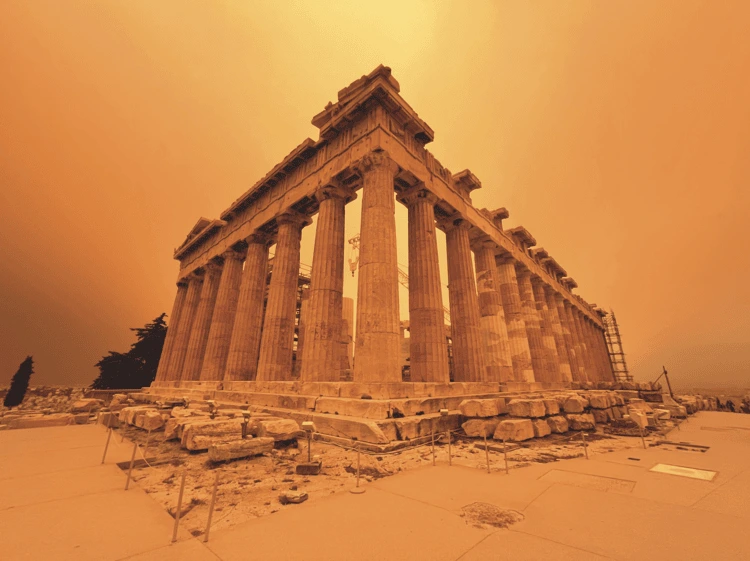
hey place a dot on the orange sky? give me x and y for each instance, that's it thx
(617, 132)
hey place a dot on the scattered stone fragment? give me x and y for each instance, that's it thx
(281, 429)
(222, 452)
(152, 420)
(86, 405)
(229, 429)
(292, 497)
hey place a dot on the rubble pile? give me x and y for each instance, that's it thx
(47, 406)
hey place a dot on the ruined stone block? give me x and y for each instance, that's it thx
(81, 418)
(229, 429)
(551, 406)
(583, 421)
(526, 408)
(280, 429)
(514, 430)
(152, 420)
(242, 448)
(479, 427)
(109, 419)
(599, 401)
(541, 428)
(574, 404)
(481, 407)
(601, 415)
(558, 424)
(87, 405)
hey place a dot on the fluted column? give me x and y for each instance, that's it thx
(608, 373)
(222, 319)
(497, 355)
(568, 336)
(321, 353)
(533, 326)
(242, 360)
(202, 323)
(548, 336)
(184, 327)
(563, 355)
(277, 340)
(377, 352)
(580, 373)
(428, 360)
(581, 349)
(304, 313)
(466, 333)
(519, 341)
(174, 322)
(592, 371)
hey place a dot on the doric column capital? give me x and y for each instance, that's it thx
(235, 253)
(416, 194)
(454, 222)
(259, 238)
(335, 190)
(375, 159)
(482, 242)
(293, 217)
(213, 266)
(183, 281)
(196, 275)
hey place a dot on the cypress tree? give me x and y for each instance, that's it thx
(20, 383)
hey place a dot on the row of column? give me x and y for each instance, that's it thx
(506, 325)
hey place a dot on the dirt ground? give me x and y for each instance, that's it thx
(250, 488)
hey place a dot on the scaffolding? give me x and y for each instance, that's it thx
(614, 348)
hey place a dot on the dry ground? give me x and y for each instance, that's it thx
(250, 488)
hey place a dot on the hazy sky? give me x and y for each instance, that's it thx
(617, 132)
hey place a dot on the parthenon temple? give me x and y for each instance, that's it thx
(250, 330)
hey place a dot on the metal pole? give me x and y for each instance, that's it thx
(585, 448)
(433, 446)
(643, 440)
(486, 450)
(148, 438)
(132, 461)
(505, 454)
(179, 506)
(450, 457)
(309, 447)
(109, 435)
(358, 460)
(669, 386)
(211, 507)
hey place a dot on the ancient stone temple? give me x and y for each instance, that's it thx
(239, 334)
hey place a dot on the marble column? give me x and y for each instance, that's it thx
(563, 355)
(498, 359)
(184, 327)
(174, 322)
(466, 333)
(277, 340)
(304, 313)
(244, 347)
(202, 323)
(222, 320)
(428, 360)
(548, 335)
(608, 373)
(519, 341)
(595, 366)
(585, 361)
(321, 353)
(579, 373)
(377, 351)
(533, 326)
